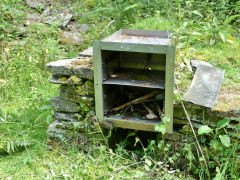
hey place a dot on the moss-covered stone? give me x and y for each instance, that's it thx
(62, 105)
(71, 125)
(66, 80)
(87, 89)
(61, 116)
(194, 114)
(71, 67)
(89, 101)
(74, 80)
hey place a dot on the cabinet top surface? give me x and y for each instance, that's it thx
(141, 37)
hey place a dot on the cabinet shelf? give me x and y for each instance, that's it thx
(132, 123)
(139, 78)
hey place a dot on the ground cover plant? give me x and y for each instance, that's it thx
(206, 30)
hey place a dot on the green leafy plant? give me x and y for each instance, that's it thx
(162, 126)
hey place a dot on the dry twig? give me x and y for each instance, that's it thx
(142, 98)
(195, 136)
(159, 111)
(119, 169)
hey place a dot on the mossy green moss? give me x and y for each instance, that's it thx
(87, 89)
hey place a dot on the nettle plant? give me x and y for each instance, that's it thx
(220, 135)
(220, 150)
(214, 31)
(86, 120)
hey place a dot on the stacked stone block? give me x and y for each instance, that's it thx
(74, 106)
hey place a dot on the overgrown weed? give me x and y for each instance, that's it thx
(24, 91)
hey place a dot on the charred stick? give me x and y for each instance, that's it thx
(159, 111)
(142, 98)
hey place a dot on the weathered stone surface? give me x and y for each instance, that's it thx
(62, 135)
(61, 17)
(21, 30)
(72, 37)
(72, 80)
(87, 52)
(89, 101)
(196, 115)
(64, 106)
(55, 79)
(60, 116)
(81, 68)
(36, 3)
(52, 129)
(71, 125)
(81, 28)
(204, 116)
(188, 105)
(33, 18)
(87, 89)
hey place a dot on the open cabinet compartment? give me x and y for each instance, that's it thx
(134, 69)
(133, 63)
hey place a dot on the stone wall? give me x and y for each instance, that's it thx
(74, 107)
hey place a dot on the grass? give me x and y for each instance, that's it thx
(25, 91)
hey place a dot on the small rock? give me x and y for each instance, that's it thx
(52, 128)
(70, 125)
(33, 18)
(72, 80)
(73, 38)
(55, 79)
(70, 67)
(36, 3)
(64, 106)
(61, 135)
(89, 101)
(60, 116)
(60, 17)
(81, 28)
(87, 89)
(86, 52)
(21, 30)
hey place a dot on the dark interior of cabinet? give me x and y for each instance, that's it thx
(116, 95)
(134, 69)
(129, 75)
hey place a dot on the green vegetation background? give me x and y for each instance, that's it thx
(207, 30)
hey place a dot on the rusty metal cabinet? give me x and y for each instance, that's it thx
(141, 60)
